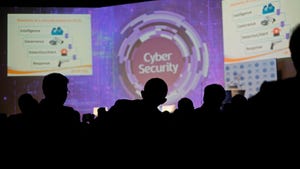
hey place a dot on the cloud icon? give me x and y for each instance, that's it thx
(268, 9)
(57, 31)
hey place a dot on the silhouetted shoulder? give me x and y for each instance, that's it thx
(71, 111)
(123, 104)
(287, 87)
(277, 96)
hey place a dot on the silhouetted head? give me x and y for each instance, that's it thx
(214, 94)
(185, 104)
(55, 88)
(239, 99)
(27, 103)
(295, 48)
(155, 91)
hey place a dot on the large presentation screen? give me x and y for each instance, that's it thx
(258, 29)
(256, 35)
(108, 53)
(42, 43)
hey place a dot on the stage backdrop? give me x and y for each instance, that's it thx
(179, 41)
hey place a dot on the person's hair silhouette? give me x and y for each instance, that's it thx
(185, 104)
(155, 91)
(214, 94)
(25, 119)
(27, 104)
(55, 88)
(181, 117)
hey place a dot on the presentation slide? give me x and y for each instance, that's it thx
(108, 53)
(258, 29)
(38, 44)
(256, 36)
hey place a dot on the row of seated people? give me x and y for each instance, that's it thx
(132, 115)
(51, 108)
(51, 113)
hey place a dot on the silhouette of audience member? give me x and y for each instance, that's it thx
(182, 115)
(88, 119)
(237, 106)
(185, 104)
(276, 106)
(87, 124)
(279, 100)
(101, 119)
(237, 113)
(140, 114)
(24, 120)
(52, 112)
(239, 102)
(27, 104)
(214, 94)
(209, 114)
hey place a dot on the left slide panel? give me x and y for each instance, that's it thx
(42, 43)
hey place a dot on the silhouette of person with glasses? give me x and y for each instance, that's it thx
(54, 114)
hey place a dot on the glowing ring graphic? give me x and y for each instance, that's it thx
(174, 27)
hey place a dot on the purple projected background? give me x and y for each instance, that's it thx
(104, 87)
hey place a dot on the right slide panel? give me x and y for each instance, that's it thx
(256, 34)
(258, 29)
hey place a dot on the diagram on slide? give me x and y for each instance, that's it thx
(43, 43)
(257, 29)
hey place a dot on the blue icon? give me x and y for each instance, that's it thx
(268, 9)
(57, 31)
